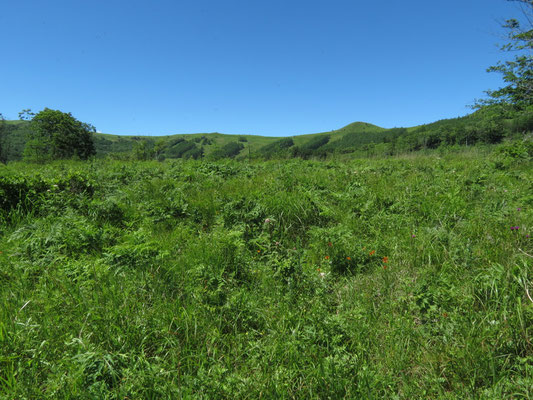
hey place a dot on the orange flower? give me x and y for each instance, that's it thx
(385, 266)
(330, 244)
(372, 252)
(385, 259)
(348, 258)
(327, 257)
(259, 251)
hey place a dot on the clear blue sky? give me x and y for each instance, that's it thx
(275, 68)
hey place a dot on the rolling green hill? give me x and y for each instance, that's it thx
(211, 144)
(488, 125)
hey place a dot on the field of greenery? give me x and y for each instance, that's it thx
(406, 277)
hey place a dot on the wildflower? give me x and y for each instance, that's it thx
(348, 258)
(372, 252)
(384, 266)
(385, 259)
(330, 244)
(515, 228)
(445, 315)
(259, 251)
(526, 236)
(322, 274)
(518, 209)
(413, 236)
(268, 221)
(327, 257)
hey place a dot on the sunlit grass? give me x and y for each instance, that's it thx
(395, 278)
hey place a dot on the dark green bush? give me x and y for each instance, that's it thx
(229, 150)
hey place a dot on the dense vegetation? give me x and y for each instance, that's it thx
(57, 135)
(249, 267)
(406, 278)
(489, 125)
(517, 72)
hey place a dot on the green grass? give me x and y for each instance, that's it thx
(350, 278)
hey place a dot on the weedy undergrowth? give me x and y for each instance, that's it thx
(406, 277)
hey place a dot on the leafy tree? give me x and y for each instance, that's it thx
(311, 147)
(180, 148)
(175, 141)
(433, 140)
(206, 141)
(276, 148)
(194, 153)
(316, 143)
(159, 149)
(518, 72)
(141, 151)
(58, 135)
(26, 114)
(229, 150)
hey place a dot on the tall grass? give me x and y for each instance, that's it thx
(395, 278)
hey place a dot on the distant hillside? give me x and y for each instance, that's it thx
(361, 138)
(194, 145)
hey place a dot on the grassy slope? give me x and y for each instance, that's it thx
(358, 137)
(394, 278)
(108, 143)
(355, 127)
(253, 141)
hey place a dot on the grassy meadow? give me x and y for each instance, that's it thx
(406, 277)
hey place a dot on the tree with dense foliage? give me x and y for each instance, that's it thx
(26, 114)
(141, 151)
(159, 149)
(311, 148)
(276, 149)
(518, 72)
(58, 135)
(229, 150)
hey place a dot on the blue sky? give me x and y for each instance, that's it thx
(274, 68)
